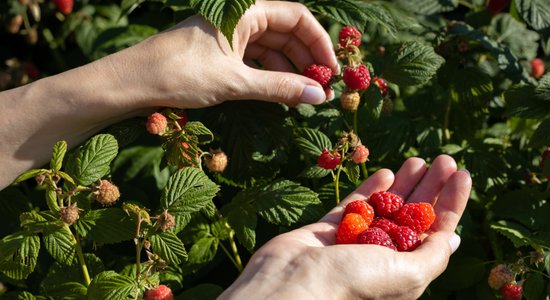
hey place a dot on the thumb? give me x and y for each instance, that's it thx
(289, 88)
(435, 251)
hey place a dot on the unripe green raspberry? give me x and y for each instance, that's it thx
(350, 101)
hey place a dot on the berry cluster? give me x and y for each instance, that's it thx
(384, 219)
(503, 278)
(348, 148)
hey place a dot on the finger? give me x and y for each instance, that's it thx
(452, 201)
(379, 181)
(408, 176)
(432, 183)
(432, 256)
(295, 17)
(292, 47)
(269, 58)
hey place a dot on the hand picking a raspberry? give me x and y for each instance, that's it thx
(319, 73)
(162, 292)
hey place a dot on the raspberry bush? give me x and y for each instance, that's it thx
(177, 202)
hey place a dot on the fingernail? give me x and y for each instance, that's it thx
(464, 170)
(339, 70)
(454, 241)
(330, 94)
(313, 95)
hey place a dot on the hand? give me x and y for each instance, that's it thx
(192, 65)
(305, 263)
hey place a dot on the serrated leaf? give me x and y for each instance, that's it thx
(68, 281)
(515, 35)
(514, 232)
(12, 204)
(59, 150)
(533, 287)
(470, 86)
(428, 7)
(60, 244)
(243, 220)
(19, 254)
(40, 221)
(141, 160)
(107, 225)
(352, 171)
(220, 229)
(30, 174)
(541, 136)
(188, 190)
(169, 247)
(535, 12)
(542, 91)
(223, 14)
(312, 141)
(198, 129)
(410, 63)
(374, 102)
(314, 172)
(203, 250)
(92, 161)
(521, 102)
(112, 286)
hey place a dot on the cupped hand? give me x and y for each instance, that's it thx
(192, 65)
(307, 263)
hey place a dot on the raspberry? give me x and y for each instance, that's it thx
(349, 35)
(362, 208)
(64, 6)
(537, 68)
(500, 275)
(162, 292)
(350, 227)
(385, 204)
(385, 224)
(360, 154)
(381, 84)
(356, 78)
(69, 214)
(495, 6)
(165, 221)
(512, 291)
(319, 73)
(375, 236)
(417, 216)
(106, 193)
(350, 101)
(329, 159)
(217, 161)
(156, 124)
(404, 238)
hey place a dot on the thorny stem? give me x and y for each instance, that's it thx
(81, 260)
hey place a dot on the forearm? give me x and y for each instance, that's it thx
(69, 106)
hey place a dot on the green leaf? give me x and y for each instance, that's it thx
(521, 102)
(542, 91)
(314, 172)
(40, 221)
(30, 174)
(188, 190)
(547, 262)
(60, 244)
(203, 250)
(169, 247)
(470, 86)
(198, 129)
(92, 161)
(112, 286)
(204, 291)
(243, 220)
(428, 7)
(541, 136)
(223, 14)
(374, 102)
(410, 63)
(282, 202)
(515, 35)
(19, 254)
(533, 287)
(107, 225)
(59, 150)
(518, 234)
(352, 171)
(12, 204)
(127, 6)
(141, 160)
(535, 12)
(312, 141)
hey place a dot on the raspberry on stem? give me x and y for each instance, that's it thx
(537, 68)
(512, 291)
(500, 275)
(64, 6)
(350, 100)
(320, 73)
(329, 159)
(381, 84)
(162, 292)
(356, 78)
(216, 161)
(156, 124)
(349, 35)
(106, 193)
(360, 154)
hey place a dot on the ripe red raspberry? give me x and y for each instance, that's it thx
(329, 159)
(381, 84)
(385, 224)
(349, 35)
(106, 193)
(350, 101)
(537, 68)
(356, 78)
(156, 124)
(360, 154)
(350, 227)
(217, 161)
(385, 204)
(319, 73)
(64, 6)
(495, 6)
(417, 216)
(362, 208)
(512, 291)
(500, 275)
(376, 236)
(165, 221)
(404, 238)
(69, 214)
(162, 292)
(545, 155)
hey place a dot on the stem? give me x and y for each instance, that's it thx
(238, 262)
(364, 171)
(337, 184)
(239, 267)
(81, 260)
(139, 246)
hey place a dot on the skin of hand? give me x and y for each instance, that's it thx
(189, 66)
(306, 264)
